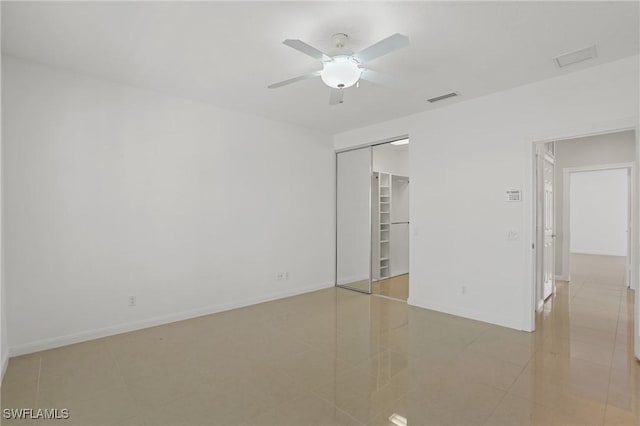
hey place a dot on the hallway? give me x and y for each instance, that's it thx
(585, 361)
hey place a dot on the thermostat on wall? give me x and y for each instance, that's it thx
(513, 195)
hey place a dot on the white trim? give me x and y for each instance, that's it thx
(603, 128)
(372, 144)
(566, 206)
(84, 336)
(3, 367)
(529, 206)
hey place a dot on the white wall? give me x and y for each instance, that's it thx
(612, 148)
(4, 347)
(389, 159)
(464, 157)
(635, 243)
(599, 212)
(113, 191)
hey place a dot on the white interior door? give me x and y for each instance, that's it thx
(545, 223)
(548, 227)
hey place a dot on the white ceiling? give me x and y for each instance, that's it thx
(226, 53)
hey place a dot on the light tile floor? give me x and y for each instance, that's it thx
(336, 357)
(396, 287)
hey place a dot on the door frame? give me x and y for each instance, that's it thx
(529, 209)
(540, 156)
(566, 218)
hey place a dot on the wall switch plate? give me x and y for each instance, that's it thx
(513, 196)
(513, 235)
(131, 301)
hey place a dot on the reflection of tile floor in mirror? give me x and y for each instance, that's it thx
(396, 287)
(337, 357)
(362, 285)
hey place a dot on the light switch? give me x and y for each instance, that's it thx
(513, 234)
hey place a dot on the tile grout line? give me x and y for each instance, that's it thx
(38, 385)
(604, 415)
(38, 381)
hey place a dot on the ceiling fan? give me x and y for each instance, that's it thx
(343, 68)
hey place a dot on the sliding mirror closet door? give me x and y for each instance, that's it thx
(353, 219)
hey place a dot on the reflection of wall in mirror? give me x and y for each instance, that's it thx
(353, 216)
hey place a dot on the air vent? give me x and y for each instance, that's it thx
(442, 97)
(576, 56)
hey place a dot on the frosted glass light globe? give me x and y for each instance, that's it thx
(340, 73)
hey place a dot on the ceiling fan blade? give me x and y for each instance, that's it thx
(378, 78)
(336, 96)
(388, 45)
(303, 47)
(294, 80)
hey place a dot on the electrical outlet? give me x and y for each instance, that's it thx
(281, 276)
(131, 301)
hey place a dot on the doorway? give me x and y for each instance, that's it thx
(597, 215)
(390, 219)
(558, 164)
(372, 219)
(585, 199)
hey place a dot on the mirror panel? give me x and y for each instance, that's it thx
(353, 219)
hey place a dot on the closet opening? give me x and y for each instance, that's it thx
(372, 219)
(390, 219)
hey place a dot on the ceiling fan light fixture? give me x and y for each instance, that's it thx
(341, 72)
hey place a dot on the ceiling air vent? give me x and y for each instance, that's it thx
(442, 97)
(576, 56)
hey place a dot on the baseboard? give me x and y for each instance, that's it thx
(487, 317)
(83, 336)
(562, 277)
(3, 367)
(599, 254)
